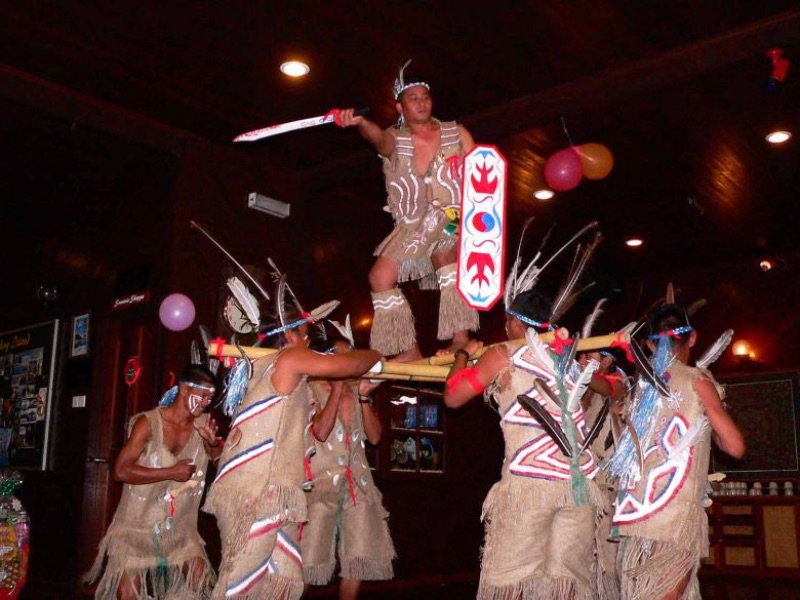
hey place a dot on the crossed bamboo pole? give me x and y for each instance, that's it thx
(434, 368)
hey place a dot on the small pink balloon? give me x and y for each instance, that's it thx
(563, 171)
(176, 312)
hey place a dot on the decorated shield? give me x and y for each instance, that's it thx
(481, 248)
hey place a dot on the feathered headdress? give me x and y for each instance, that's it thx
(522, 280)
(400, 84)
(345, 330)
(283, 288)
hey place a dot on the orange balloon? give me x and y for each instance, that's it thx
(596, 159)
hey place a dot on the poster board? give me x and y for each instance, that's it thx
(766, 408)
(27, 376)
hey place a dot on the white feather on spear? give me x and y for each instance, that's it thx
(715, 350)
(246, 301)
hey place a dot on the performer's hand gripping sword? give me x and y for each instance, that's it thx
(332, 116)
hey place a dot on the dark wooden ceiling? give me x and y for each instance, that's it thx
(676, 90)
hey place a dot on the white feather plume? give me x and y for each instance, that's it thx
(345, 330)
(517, 281)
(581, 384)
(569, 293)
(324, 310)
(680, 451)
(715, 350)
(247, 302)
(195, 353)
(539, 349)
(588, 324)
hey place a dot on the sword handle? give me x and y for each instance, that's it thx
(361, 112)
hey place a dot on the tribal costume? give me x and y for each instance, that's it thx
(346, 516)
(422, 206)
(603, 447)
(540, 517)
(662, 523)
(152, 539)
(257, 496)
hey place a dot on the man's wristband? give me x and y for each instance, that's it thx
(460, 352)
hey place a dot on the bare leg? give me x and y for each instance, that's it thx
(194, 572)
(383, 278)
(348, 589)
(127, 589)
(677, 592)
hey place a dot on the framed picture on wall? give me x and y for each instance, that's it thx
(27, 377)
(79, 344)
(767, 409)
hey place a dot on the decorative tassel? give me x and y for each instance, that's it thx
(236, 381)
(646, 405)
(169, 396)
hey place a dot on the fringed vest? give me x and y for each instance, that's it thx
(666, 504)
(340, 461)
(410, 193)
(262, 464)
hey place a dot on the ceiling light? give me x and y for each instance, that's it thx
(765, 265)
(543, 194)
(634, 242)
(295, 68)
(778, 137)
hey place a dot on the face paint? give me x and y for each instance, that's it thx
(194, 402)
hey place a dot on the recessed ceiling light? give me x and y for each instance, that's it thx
(543, 194)
(634, 242)
(778, 137)
(295, 68)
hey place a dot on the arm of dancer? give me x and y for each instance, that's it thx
(382, 140)
(726, 434)
(464, 382)
(325, 419)
(296, 362)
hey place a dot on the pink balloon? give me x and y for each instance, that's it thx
(176, 312)
(563, 171)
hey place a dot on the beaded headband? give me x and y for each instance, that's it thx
(400, 84)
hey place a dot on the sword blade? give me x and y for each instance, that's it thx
(257, 134)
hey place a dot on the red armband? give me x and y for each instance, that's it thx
(471, 375)
(622, 342)
(611, 380)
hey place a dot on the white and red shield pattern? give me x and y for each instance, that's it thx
(481, 248)
(663, 482)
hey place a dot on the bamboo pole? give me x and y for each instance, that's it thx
(584, 345)
(434, 368)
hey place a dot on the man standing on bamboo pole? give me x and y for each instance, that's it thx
(422, 164)
(540, 517)
(258, 495)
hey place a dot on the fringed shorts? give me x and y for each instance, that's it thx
(358, 534)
